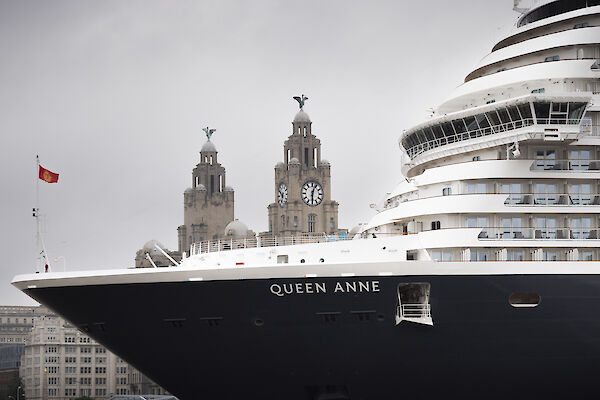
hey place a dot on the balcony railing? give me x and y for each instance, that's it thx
(211, 246)
(539, 233)
(553, 199)
(411, 311)
(548, 164)
(432, 144)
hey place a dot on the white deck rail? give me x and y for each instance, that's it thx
(211, 246)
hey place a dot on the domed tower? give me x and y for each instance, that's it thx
(302, 184)
(208, 204)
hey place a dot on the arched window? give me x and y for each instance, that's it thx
(312, 222)
(283, 221)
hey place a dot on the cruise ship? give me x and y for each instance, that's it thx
(477, 278)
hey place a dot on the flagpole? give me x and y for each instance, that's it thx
(36, 214)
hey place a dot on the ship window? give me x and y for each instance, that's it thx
(525, 110)
(514, 113)
(479, 255)
(459, 126)
(586, 255)
(541, 90)
(582, 25)
(477, 158)
(576, 110)
(524, 299)
(542, 112)
(482, 121)
(476, 188)
(552, 58)
(580, 194)
(550, 255)
(471, 124)
(447, 128)
(579, 159)
(545, 228)
(437, 130)
(493, 117)
(515, 255)
(435, 225)
(504, 118)
(446, 191)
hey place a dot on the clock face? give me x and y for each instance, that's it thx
(312, 193)
(282, 195)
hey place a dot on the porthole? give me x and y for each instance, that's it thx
(259, 322)
(524, 299)
(302, 261)
(321, 260)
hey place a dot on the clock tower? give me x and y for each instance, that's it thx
(302, 184)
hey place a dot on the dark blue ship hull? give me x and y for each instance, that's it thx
(246, 339)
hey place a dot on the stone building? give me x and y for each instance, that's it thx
(60, 362)
(208, 204)
(302, 185)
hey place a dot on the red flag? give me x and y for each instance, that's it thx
(48, 176)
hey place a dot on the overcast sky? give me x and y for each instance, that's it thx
(113, 95)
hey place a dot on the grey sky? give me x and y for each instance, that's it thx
(113, 95)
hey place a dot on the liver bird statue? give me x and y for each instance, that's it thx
(209, 132)
(301, 100)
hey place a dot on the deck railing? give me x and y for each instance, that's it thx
(548, 233)
(211, 246)
(553, 199)
(407, 311)
(550, 164)
(476, 133)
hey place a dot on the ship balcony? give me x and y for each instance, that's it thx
(503, 233)
(553, 199)
(565, 165)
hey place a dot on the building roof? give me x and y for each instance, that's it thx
(208, 147)
(236, 228)
(301, 116)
